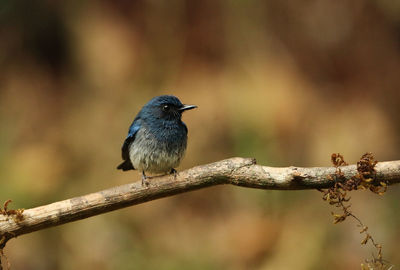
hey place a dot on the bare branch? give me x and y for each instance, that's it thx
(236, 171)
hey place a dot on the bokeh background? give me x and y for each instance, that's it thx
(286, 82)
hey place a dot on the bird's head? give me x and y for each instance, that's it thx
(166, 107)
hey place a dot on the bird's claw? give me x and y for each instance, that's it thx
(145, 182)
(174, 172)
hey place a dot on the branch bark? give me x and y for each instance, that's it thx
(235, 171)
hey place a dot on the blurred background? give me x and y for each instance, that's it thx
(286, 82)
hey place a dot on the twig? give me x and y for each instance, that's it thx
(236, 171)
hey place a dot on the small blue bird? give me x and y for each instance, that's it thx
(157, 138)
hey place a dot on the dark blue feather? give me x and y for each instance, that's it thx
(157, 138)
(134, 128)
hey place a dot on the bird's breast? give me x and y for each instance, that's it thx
(157, 150)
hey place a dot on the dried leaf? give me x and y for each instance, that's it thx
(367, 237)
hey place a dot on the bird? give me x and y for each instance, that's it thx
(157, 138)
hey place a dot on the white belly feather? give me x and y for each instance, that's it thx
(150, 155)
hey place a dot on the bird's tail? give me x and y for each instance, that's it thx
(125, 166)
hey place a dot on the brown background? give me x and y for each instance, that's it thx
(286, 82)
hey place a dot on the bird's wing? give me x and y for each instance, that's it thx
(184, 125)
(130, 138)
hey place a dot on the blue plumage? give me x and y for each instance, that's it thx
(157, 138)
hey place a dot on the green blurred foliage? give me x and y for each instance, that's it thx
(286, 82)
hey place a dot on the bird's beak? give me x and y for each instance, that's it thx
(187, 107)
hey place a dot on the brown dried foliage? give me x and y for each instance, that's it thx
(337, 196)
(15, 214)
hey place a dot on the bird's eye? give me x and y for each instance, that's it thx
(165, 108)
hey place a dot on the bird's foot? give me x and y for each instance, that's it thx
(174, 172)
(145, 182)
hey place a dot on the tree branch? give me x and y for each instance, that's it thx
(236, 171)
